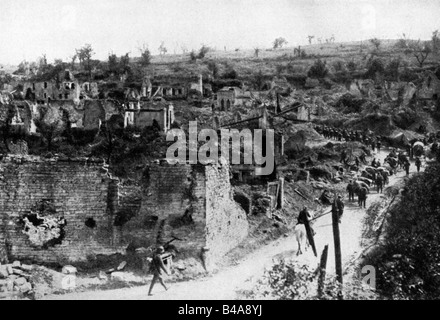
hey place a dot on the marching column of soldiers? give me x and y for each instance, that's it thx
(339, 134)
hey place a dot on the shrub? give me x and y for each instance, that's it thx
(407, 265)
(291, 280)
(339, 65)
(318, 69)
(392, 69)
(351, 66)
(375, 65)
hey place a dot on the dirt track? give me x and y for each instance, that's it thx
(224, 284)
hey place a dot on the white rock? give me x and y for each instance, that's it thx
(20, 281)
(3, 272)
(121, 265)
(102, 275)
(69, 270)
(25, 287)
(16, 264)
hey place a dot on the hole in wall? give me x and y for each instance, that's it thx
(91, 223)
(43, 226)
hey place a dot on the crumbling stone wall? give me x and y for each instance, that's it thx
(173, 203)
(226, 222)
(193, 203)
(56, 211)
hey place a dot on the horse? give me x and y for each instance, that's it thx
(301, 236)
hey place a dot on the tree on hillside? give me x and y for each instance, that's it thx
(420, 50)
(375, 66)
(124, 64)
(162, 49)
(213, 67)
(112, 63)
(203, 51)
(376, 43)
(73, 59)
(145, 59)
(318, 69)
(85, 57)
(279, 43)
(310, 39)
(256, 52)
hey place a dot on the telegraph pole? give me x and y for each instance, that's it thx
(337, 240)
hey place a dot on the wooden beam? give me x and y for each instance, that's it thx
(322, 271)
(337, 241)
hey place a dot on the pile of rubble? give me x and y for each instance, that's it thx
(18, 281)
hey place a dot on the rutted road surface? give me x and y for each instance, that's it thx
(225, 284)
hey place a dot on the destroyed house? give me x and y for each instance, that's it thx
(65, 87)
(145, 113)
(229, 97)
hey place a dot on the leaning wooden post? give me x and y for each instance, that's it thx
(310, 235)
(337, 240)
(322, 270)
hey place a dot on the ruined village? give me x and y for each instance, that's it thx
(87, 194)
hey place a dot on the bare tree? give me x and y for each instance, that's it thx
(310, 39)
(72, 61)
(162, 49)
(256, 52)
(420, 51)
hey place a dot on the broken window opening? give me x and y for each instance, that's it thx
(45, 85)
(66, 96)
(90, 223)
(60, 96)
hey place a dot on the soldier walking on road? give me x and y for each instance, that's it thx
(362, 197)
(158, 267)
(418, 164)
(379, 183)
(407, 165)
(350, 190)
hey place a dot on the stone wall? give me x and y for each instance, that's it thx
(193, 203)
(226, 221)
(56, 211)
(170, 191)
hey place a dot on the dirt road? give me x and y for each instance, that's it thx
(224, 284)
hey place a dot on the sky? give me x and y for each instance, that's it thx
(30, 28)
